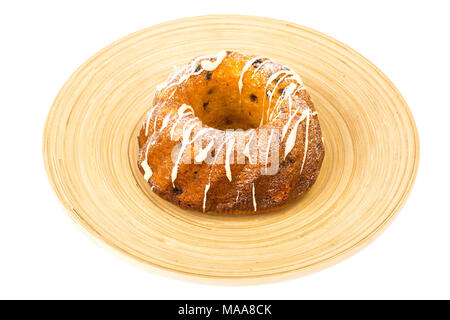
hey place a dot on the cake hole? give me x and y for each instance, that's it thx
(219, 103)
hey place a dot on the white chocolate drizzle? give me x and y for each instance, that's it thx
(244, 69)
(287, 93)
(210, 170)
(149, 115)
(165, 121)
(306, 141)
(184, 143)
(288, 74)
(271, 96)
(204, 196)
(261, 65)
(181, 114)
(191, 69)
(290, 142)
(148, 171)
(211, 66)
(203, 153)
(254, 198)
(286, 126)
(268, 149)
(227, 159)
(185, 137)
(270, 92)
(144, 164)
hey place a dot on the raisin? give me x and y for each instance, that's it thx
(205, 105)
(253, 98)
(291, 160)
(197, 68)
(282, 164)
(208, 75)
(228, 121)
(210, 91)
(177, 191)
(257, 63)
(280, 91)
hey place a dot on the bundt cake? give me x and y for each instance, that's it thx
(231, 133)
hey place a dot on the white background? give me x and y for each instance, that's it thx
(44, 255)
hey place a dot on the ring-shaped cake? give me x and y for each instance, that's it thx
(231, 133)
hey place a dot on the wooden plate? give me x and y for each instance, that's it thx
(371, 143)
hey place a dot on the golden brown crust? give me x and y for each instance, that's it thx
(215, 99)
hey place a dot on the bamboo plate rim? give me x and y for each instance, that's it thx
(106, 97)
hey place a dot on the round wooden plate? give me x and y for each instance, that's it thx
(371, 144)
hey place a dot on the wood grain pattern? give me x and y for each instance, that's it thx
(371, 143)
